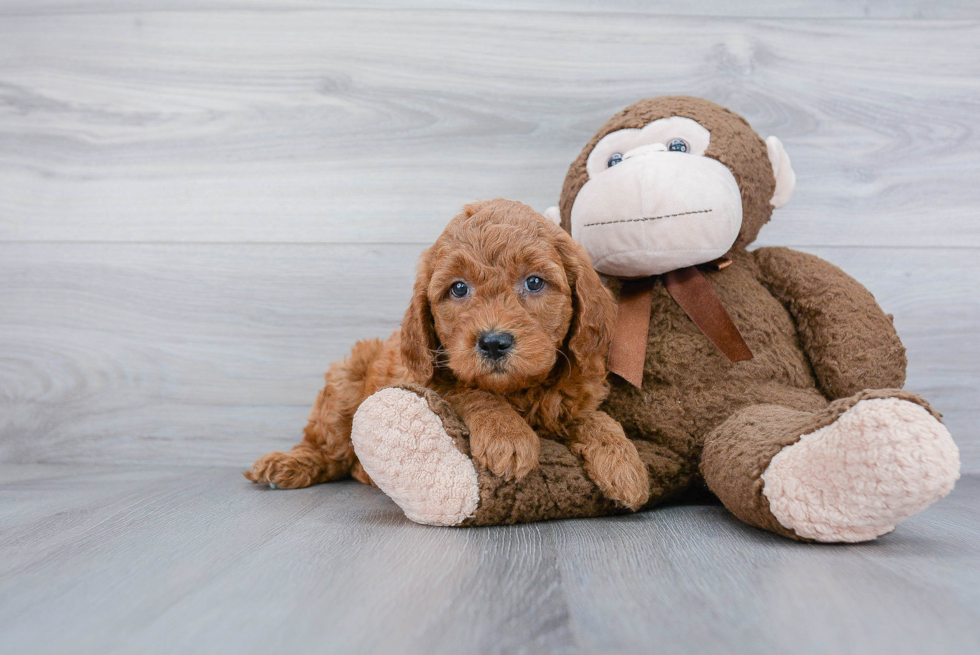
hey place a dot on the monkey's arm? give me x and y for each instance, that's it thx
(850, 341)
(500, 438)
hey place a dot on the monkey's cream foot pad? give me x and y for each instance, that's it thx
(402, 445)
(881, 462)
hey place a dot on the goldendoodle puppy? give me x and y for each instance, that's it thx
(510, 323)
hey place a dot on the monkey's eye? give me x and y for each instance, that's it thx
(459, 289)
(534, 283)
(677, 145)
(615, 159)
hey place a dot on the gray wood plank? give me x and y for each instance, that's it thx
(213, 353)
(374, 126)
(716, 586)
(74, 502)
(216, 565)
(916, 9)
(190, 352)
(199, 561)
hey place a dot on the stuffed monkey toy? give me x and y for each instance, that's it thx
(770, 376)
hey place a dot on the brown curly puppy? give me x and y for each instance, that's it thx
(510, 323)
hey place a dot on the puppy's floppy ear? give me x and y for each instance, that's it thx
(594, 309)
(418, 338)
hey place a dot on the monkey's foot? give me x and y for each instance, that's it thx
(881, 462)
(404, 446)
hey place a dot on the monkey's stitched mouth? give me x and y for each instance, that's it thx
(651, 218)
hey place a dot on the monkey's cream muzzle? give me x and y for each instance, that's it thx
(657, 211)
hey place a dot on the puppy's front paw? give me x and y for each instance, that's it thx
(284, 471)
(510, 448)
(628, 484)
(617, 470)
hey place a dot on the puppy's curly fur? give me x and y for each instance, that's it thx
(499, 268)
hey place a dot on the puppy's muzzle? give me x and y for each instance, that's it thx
(494, 345)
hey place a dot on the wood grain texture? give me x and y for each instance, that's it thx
(122, 560)
(372, 126)
(213, 353)
(915, 9)
(181, 353)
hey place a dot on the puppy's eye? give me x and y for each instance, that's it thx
(534, 283)
(615, 159)
(677, 145)
(459, 289)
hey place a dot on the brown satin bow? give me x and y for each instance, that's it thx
(689, 289)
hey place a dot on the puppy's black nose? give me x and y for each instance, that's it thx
(494, 345)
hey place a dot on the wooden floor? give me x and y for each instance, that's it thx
(205, 202)
(140, 560)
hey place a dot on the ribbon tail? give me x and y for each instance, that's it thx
(628, 347)
(692, 291)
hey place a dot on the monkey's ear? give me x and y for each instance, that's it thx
(553, 214)
(782, 170)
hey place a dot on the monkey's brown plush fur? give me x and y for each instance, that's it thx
(549, 381)
(812, 438)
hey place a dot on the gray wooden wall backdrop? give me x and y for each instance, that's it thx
(202, 204)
